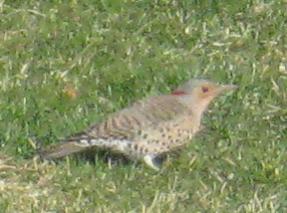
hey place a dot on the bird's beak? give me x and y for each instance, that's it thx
(229, 87)
(226, 88)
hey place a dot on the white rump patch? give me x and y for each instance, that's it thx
(84, 142)
(119, 145)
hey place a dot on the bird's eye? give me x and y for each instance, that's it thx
(204, 89)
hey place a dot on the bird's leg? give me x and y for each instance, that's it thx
(152, 161)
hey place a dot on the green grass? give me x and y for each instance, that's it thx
(110, 53)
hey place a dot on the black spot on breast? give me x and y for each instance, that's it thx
(175, 125)
(163, 144)
(156, 141)
(145, 136)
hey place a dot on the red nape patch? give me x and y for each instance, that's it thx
(178, 92)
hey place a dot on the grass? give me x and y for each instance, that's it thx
(65, 65)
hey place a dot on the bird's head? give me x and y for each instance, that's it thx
(198, 93)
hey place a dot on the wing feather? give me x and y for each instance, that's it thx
(140, 115)
(121, 127)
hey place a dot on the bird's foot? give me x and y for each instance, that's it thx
(153, 161)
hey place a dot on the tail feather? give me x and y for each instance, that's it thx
(62, 149)
(76, 143)
(81, 143)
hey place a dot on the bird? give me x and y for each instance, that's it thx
(148, 128)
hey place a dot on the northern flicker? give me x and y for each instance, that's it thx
(148, 128)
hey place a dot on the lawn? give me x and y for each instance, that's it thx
(67, 64)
